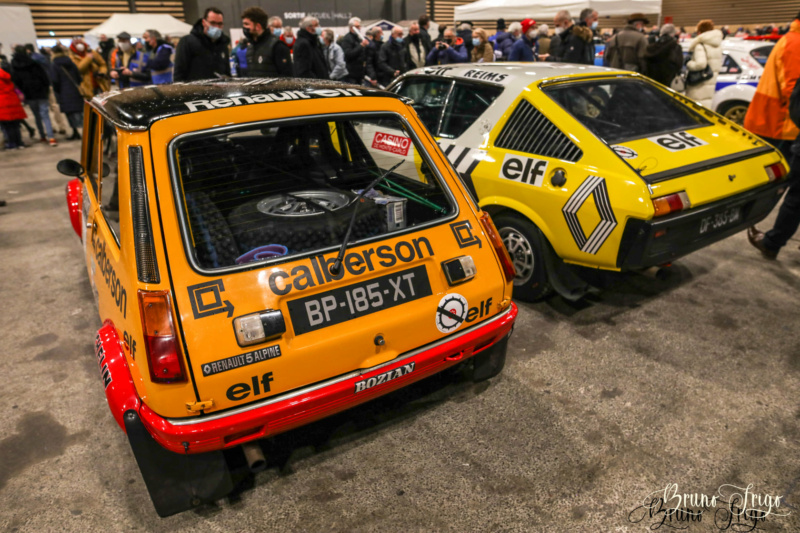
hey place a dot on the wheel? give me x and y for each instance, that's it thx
(214, 243)
(304, 220)
(525, 243)
(734, 111)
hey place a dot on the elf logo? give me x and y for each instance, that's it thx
(523, 169)
(478, 312)
(675, 142)
(240, 391)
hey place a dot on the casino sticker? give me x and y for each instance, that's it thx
(624, 151)
(451, 313)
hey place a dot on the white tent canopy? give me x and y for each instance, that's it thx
(515, 10)
(137, 23)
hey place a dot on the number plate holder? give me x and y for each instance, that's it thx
(720, 219)
(358, 299)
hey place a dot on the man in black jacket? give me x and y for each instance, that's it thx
(31, 78)
(267, 56)
(373, 50)
(203, 54)
(354, 45)
(664, 58)
(392, 58)
(571, 43)
(309, 62)
(424, 24)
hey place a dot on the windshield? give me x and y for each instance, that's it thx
(284, 188)
(623, 109)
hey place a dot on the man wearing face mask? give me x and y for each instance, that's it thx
(571, 44)
(309, 61)
(158, 66)
(203, 54)
(450, 50)
(589, 18)
(354, 45)
(124, 61)
(267, 56)
(626, 50)
(287, 36)
(525, 49)
(275, 26)
(417, 49)
(392, 58)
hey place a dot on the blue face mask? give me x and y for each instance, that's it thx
(476, 42)
(399, 40)
(214, 33)
(594, 25)
(318, 30)
(277, 32)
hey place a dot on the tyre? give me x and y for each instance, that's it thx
(734, 111)
(525, 243)
(304, 220)
(214, 242)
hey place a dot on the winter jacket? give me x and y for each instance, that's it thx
(523, 50)
(239, 57)
(663, 59)
(30, 77)
(93, 69)
(456, 53)
(706, 49)
(426, 38)
(626, 50)
(573, 45)
(466, 38)
(392, 57)
(66, 83)
(334, 60)
(503, 44)
(768, 114)
(371, 64)
(355, 57)
(136, 62)
(308, 59)
(417, 51)
(159, 68)
(484, 55)
(268, 57)
(10, 106)
(199, 58)
(544, 44)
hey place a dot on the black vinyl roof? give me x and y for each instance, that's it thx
(138, 108)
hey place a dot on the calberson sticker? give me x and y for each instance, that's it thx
(451, 312)
(198, 105)
(675, 142)
(238, 361)
(380, 379)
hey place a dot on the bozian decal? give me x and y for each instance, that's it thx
(207, 299)
(238, 361)
(675, 142)
(380, 379)
(451, 312)
(100, 353)
(592, 186)
(462, 231)
(625, 152)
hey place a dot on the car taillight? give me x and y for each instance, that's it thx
(671, 203)
(161, 343)
(776, 171)
(499, 247)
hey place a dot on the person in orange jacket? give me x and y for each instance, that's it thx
(768, 114)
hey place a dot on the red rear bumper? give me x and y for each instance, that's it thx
(297, 408)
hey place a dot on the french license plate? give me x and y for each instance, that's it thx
(359, 299)
(720, 220)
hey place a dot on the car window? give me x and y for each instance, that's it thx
(624, 109)
(729, 65)
(290, 187)
(761, 54)
(429, 96)
(91, 161)
(465, 105)
(109, 191)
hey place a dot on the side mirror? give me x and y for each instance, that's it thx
(70, 167)
(106, 170)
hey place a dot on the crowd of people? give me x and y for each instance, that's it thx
(54, 82)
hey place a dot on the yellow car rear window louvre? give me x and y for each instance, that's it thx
(528, 130)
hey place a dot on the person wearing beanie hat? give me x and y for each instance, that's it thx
(526, 48)
(501, 29)
(626, 49)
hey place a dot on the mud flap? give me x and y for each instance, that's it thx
(176, 482)
(491, 361)
(561, 275)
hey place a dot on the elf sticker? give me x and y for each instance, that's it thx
(451, 312)
(391, 143)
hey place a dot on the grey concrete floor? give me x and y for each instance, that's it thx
(692, 381)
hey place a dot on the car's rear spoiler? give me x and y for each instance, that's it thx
(706, 165)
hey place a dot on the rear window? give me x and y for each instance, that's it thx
(277, 189)
(761, 54)
(624, 109)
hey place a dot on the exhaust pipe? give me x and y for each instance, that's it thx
(256, 461)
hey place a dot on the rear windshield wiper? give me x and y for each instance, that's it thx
(337, 265)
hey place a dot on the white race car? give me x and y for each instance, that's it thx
(742, 64)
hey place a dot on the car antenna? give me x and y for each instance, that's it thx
(337, 264)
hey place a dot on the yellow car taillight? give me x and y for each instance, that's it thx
(776, 171)
(671, 203)
(161, 343)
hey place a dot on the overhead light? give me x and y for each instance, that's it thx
(52, 33)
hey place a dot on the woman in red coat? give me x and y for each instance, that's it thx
(11, 112)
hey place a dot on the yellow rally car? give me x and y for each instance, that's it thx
(593, 167)
(261, 261)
